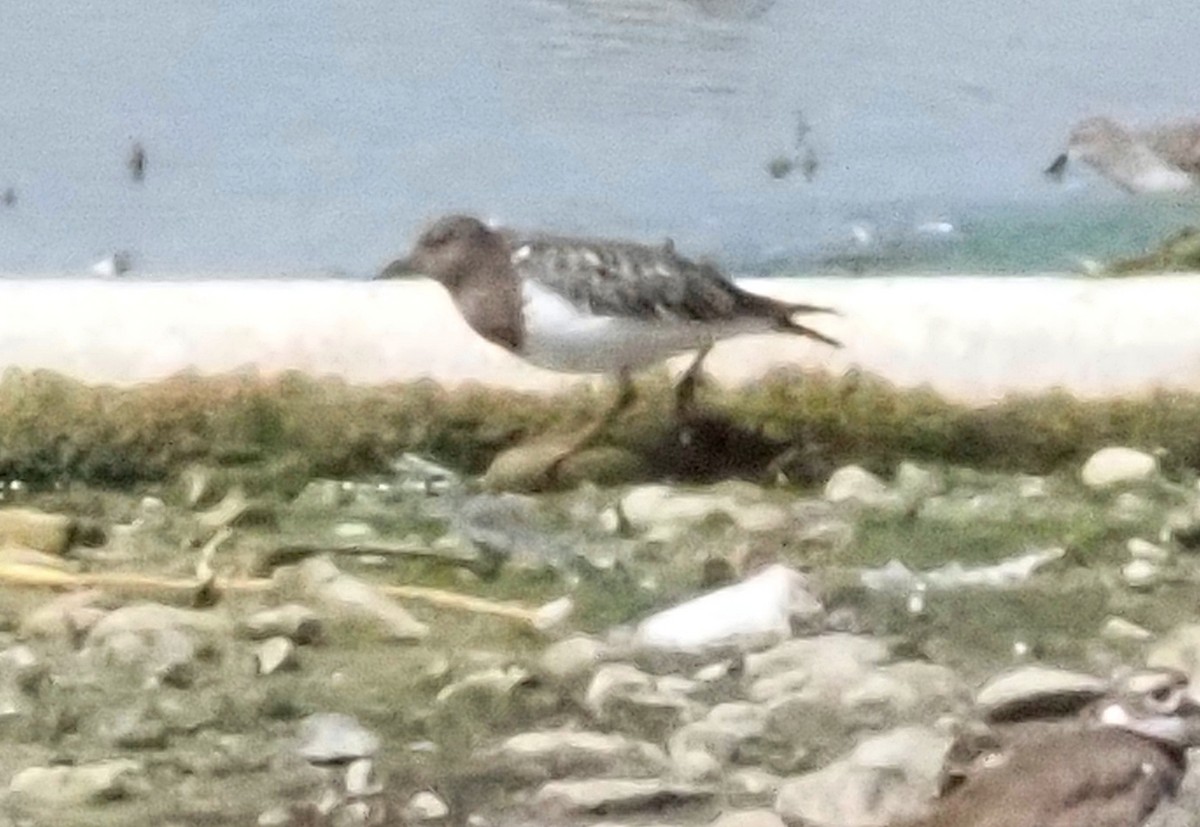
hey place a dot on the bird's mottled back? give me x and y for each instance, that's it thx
(633, 280)
(1108, 765)
(1178, 144)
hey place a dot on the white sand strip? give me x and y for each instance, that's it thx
(972, 338)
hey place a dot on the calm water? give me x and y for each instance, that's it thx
(316, 136)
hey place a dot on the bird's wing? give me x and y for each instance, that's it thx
(1117, 780)
(629, 280)
(1178, 145)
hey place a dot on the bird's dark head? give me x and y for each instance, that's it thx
(450, 249)
(1091, 140)
(1156, 704)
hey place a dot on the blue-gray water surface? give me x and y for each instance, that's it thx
(317, 136)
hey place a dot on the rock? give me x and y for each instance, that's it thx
(486, 699)
(22, 674)
(563, 798)
(354, 598)
(153, 617)
(1020, 691)
(1117, 465)
(725, 730)
(275, 817)
(1117, 629)
(903, 693)
(332, 737)
(137, 727)
(856, 485)
(665, 512)
(1131, 507)
(758, 611)
(570, 753)
(611, 680)
(1140, 549)
(885, 780)
(827, 663)
(748, 818)
(236, 510)
(361, 780)
(354, 814)
(425, 807)
(572, 659)
(1141, 574)
(1182, 526)
(416, 474)
(65, 786)
(552, 615)
(37, 530)
(915, 484)
(695, 767)
(293, 621)
(625, 698)
(22, 669)
(751, 787)
(1178, 649)
(275, 654)
(155, 642)
(894, 576)
(66, 618)
(1031, 487)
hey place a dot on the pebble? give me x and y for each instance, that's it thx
(293, 621)
(1140, 549)
(1141, 574)
(83, 784)
(275, 654)
(1120, 629)
(360, 779)
(1116, 465)
(332, 737)
(426, 806)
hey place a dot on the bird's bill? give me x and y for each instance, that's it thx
(401, 268)
(1058, 168)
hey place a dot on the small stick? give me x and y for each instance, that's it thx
(40, 576)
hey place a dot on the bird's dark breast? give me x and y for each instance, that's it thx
(494, 312)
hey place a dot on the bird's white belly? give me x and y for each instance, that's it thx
(559, 336)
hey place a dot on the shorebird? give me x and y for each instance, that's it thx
(1110, 765)
(590, 305)
(137, 162)
(1165, 158)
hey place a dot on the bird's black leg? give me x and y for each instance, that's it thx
(685, 391)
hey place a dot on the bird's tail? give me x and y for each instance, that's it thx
(785, 322)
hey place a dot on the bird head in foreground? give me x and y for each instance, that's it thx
(1090, 140)
(450, 249)
(1155, 704)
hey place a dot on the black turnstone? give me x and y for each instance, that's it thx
(592, 306)
(137, 162)
(1112, 764)
(1164, 158)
